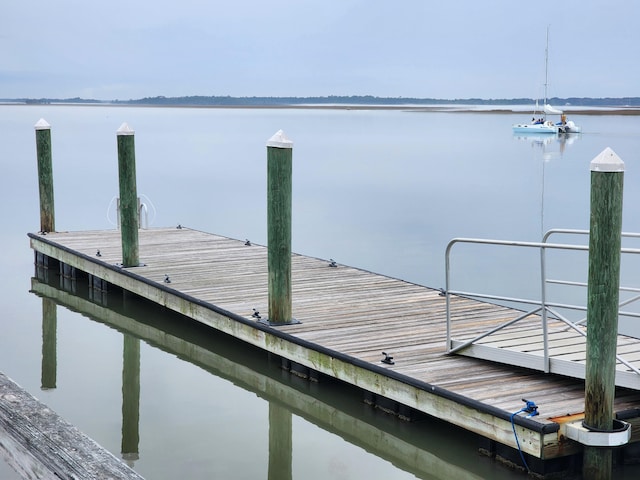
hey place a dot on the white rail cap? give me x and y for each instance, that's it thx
(607, 161)
(125, 129)
(42, 124)
(279, 140)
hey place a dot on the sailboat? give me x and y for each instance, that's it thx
(541, 125)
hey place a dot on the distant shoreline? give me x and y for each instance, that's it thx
(409, 108)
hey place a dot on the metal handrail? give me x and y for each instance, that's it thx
(543, 306)
(569, 231)
(142, 207)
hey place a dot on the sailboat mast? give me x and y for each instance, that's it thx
(546, 67)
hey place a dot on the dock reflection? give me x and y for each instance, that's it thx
(338, 409)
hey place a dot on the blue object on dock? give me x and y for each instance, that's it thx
(532, 410)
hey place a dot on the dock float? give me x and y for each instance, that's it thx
(380, 334)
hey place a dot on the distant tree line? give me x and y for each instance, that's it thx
(268, 101)
(201, 100)
(371, 100)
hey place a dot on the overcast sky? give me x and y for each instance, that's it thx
(402, 48)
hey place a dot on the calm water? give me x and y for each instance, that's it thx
(380, 190)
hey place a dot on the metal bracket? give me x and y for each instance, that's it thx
(620, 435)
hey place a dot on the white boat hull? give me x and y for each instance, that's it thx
(536, 128)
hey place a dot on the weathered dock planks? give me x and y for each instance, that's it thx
(348, 318)
(38, 443)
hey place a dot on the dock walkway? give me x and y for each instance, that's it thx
(348, 317)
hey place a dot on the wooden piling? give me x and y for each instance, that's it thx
(45, 176)
(279, 187)
(607, 174)
(129, 221)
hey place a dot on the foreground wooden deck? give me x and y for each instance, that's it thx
(348, 318)
(39, 444)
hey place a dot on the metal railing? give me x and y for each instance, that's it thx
(143, 214)
(543, 307)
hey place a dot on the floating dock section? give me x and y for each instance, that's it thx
(380, 334)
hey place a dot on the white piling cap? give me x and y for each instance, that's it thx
(42, 125)
(607, 161)
(125, 129)
(279, 140)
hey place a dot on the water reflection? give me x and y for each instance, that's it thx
(550, 146)
(49, 343)
(545, 149)
(96, 293)
(280, 442)
(337, 409)
(130, 399)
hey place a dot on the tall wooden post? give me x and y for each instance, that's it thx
(607, 174)
(45, 176)
(128, 196)
(279, 170)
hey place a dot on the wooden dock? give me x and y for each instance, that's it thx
(348, 317)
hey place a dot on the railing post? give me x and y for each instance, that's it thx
(279, 171)
(447, 287)
(543, 304)
(607, 174)
(128, 196)
(45, 176)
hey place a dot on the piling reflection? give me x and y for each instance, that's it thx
(130, 399)
(336, 408)
(49, 343)
(280, 442)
